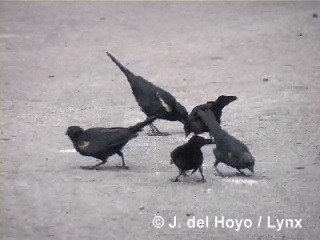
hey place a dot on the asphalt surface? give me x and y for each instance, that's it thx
(55, 73)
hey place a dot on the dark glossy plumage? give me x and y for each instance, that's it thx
(101, 143)
(196, 125)
(189, 156)
(152, 99)
(229, 150)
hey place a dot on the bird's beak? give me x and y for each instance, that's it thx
(186, 133)
(209, 141)
(186, 130)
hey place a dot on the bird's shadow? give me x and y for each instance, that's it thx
(188, 180)
(239, 175)
(104, 168)
(167, 134)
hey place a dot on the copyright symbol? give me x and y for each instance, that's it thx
(158, 222)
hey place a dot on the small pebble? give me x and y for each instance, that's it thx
(141, 207)
(300, 34)
(51, 76)
(315, 15)
(209, 190)
(265, 79)
(300, 168)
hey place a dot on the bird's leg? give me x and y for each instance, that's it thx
(201, 172)
(97, 165)
(123, 164)
(177, 178)
(156, 132)
(193, 171)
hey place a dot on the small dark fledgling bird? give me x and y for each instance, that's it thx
(153, 100)
(189, 156)
(102, 143)
(196, 125)
(229, 150)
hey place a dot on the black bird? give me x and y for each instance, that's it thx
(189, 156)
(196, 125)
(153, 100)
(229, 150)
(102, 143)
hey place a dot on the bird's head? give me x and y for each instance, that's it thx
(182, 116)
(210, 104)
(217, 106)
(73, 132)
(181, 113)
(249, 160)
(200, 141)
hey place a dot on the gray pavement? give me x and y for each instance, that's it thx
(55, 73)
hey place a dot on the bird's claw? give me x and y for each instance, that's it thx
(123, 167)
(89, 167)
(202, 180)
(174, 180)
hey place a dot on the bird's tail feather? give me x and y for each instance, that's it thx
(210, 120)
(223, 100)
(138, 127)
(122, 68)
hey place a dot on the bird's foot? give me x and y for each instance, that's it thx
(89, 167)
(202, 180)
(123, 167)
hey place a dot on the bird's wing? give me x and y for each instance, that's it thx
(233, 146)
(95, 140)
(176, 152)
(202, 107)
(167, 101)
